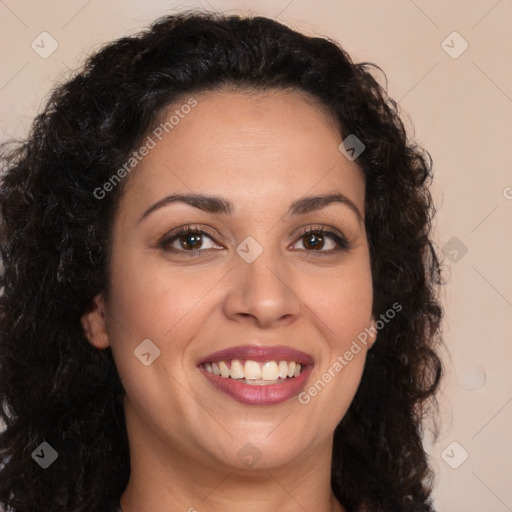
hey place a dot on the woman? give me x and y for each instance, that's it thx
(220, 290)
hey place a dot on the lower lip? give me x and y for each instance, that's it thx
(270, 394)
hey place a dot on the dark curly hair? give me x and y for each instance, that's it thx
(55, 233)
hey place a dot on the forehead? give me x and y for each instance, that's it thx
(258, 144)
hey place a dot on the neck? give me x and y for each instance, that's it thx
(229, 492)
(167, 478)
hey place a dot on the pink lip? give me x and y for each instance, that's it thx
(260, 354)
(259, 395)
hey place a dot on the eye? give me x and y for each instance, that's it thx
(187, 239)
(314, 240)
(192, 241)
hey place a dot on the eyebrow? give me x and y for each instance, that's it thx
(220, 205)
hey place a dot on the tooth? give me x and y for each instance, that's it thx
(283, 369)
(224, 370)
(258, 382)
(252, 370)
(237, 370)
(270, 371)
(258, 372)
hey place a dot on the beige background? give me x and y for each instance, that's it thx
(462, 112)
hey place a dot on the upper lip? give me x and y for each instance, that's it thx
(259, 353)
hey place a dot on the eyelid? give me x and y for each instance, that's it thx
(164, 241)
(341, 241)
(322, 227)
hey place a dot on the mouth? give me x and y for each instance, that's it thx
(253, 372)
(258, 375)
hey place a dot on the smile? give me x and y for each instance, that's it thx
(254, 372)
(257, 374)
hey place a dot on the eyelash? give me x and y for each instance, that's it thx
(166, 241)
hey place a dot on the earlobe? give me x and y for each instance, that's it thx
(94, 323)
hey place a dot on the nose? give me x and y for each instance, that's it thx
(262, 292)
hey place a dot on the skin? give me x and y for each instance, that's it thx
(262, 151)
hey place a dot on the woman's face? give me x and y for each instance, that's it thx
(250, 279)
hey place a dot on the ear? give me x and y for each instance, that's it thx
(94, 322)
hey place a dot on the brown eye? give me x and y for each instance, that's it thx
(316, 240)
(190, 241)
(187, 240)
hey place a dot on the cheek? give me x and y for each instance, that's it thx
(147, 302)
(150, 299)
(341, 302)
(342, 308)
